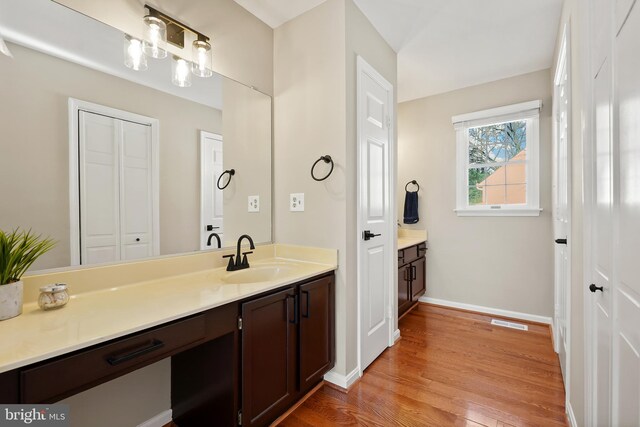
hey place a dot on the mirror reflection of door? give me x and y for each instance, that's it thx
(115, 208)
(211, 210)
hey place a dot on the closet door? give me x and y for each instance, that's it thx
(99, 183)
(136, 209)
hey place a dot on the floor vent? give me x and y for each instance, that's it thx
(511, 325)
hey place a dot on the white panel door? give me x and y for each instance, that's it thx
(375, 253)
(602, 259)
(211, 203)
(136, 191)
(561, 208)
(117, 213)
(626, 331)
(99, 188)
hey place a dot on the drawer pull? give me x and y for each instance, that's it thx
(116, 360)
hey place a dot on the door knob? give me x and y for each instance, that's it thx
(368, 235)
(561, 241)
(594, 288)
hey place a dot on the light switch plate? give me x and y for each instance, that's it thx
(296, 202)
(254, 204)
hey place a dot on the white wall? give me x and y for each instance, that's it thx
(497, 262)
(315, 114)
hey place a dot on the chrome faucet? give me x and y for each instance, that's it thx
(217, 239)
(238, 264)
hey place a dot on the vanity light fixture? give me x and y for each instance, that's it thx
(180, 75)
(134, 57)
(159, 29)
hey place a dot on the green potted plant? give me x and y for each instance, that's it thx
(18, 251)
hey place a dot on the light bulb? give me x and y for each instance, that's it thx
(180, 72)
(155, 37)
(133, 56)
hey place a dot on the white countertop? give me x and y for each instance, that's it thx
(408, 237)
(101, 315)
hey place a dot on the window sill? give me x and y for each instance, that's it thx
(498, 212)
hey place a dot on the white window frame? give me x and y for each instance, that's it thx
(526, 111)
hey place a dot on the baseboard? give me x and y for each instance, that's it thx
(396, 336)
(571, 416)
(342, 381)
(160, 420)
(488, 310)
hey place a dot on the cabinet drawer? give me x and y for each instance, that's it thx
(412, 253)
(69, 375)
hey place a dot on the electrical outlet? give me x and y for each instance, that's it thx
(296, 202)
(254, 204)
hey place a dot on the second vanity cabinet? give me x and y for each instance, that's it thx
(287, 347)
(412, 270)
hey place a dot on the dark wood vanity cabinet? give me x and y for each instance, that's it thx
(412, 270)
(287, 347)
(269, 343)
(243, 363)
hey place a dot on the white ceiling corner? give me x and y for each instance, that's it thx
(276, 12)
(444, 45)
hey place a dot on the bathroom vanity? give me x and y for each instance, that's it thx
(412, 270)
(244, 345)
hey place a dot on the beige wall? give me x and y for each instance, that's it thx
(309, 121)
(242, 45)
(571, 14)
(498, 262)
(34, 123)
(315, 114)
(246, 129)
(125, 401)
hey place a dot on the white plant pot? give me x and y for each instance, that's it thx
(10, 300)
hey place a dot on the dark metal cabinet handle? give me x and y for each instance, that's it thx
(137, 239)
(561, 241)
(414, 272)
(368, 235)
(296, 309)
(308, 296)
(593, 288)
(116, 360)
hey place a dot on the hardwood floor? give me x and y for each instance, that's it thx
(450, 368)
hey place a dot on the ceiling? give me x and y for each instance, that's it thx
(445, 45)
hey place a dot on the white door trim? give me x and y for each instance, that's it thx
(390, 234)
(75, 106)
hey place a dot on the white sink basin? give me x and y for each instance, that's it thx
(260, 273)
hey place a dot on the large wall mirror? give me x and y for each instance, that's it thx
(117, 164)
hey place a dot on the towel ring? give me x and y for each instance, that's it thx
(231, 172)
(327, 159)
(414, 182)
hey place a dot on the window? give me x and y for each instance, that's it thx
(497, 168)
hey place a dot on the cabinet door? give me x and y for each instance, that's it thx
(316, 331)
(404, 289)
(268, 357)
(418, 284)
